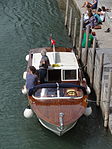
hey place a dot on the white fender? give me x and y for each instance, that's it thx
(28, 113)
(27, 57)
(24, 90)
(88, 90)
(24, 75)
(88, 111)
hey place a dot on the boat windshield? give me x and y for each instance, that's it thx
(61, 92)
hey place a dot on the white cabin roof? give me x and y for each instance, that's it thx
(66, 60)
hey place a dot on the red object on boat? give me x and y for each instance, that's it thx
(53, 42)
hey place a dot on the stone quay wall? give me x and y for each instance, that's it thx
(97, 59)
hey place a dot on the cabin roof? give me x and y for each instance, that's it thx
(66, 60)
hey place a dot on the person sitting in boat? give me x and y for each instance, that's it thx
(31, 77)
(44, 63)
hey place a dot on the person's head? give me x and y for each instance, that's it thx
(103, 8)
(88, 6)
(32, 69)
(43, 52)
(94, 11)
(90, 14)
(90, 30)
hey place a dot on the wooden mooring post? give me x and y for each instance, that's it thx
(66, 13)
(80, 37)
(86, 46)
(70, 22)
(100, 79)
(106, 114)
(75, 32)
(93, 62)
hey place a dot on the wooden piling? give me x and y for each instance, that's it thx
(66, 13)
(70, 22)
(75, 32)
(80, 37)
(86, 46)
(93, 62)
(106, 114)
(100, 79)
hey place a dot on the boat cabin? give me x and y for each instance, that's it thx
(64, 66)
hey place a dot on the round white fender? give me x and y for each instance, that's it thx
(28, 113)
(88, 111)
(24, 90)
(88, 90)
(24, 75)
(27, 57)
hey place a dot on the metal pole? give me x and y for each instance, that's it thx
(106, 118)
(80, 38)
(75, 32)
(70, 22)
(66, 13)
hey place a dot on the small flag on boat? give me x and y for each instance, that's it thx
(53, 42)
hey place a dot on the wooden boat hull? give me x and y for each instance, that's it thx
(55, 129)
(58, 115)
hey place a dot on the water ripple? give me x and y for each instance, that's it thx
(27, 24)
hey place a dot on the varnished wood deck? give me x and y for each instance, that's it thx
(50, 109)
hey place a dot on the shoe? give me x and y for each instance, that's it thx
(108, 30)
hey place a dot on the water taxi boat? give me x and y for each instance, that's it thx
(62, 100)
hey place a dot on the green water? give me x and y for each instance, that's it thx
(26, 24)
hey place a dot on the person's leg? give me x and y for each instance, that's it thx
(85, 4)
(42, 75)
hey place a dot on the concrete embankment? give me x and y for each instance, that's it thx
(99, 63)
(98, 58)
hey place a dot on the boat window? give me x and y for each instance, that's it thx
(63, 92)
(46, 92)
(69, 74)
(54, 75)
(37, 93)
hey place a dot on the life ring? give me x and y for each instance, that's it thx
(71, 92)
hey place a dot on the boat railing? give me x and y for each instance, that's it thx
(55, 98)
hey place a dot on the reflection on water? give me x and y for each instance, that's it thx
(24, 25)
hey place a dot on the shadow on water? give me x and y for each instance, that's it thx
(24, 25)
